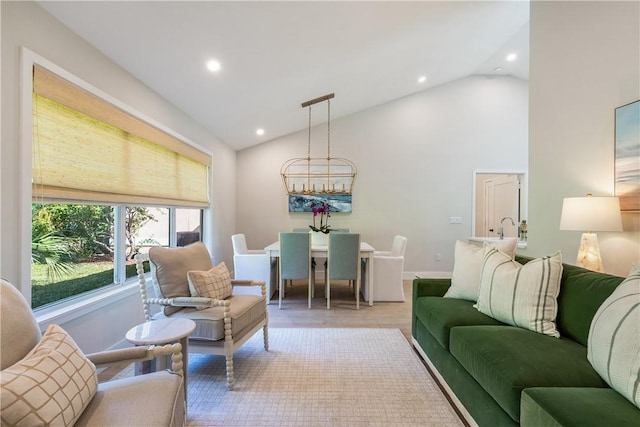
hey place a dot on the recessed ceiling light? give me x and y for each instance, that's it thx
(260, 132)
(497, 69)
(422, 79)
(512, 57)
(213, 66)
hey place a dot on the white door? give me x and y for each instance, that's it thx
(502, 195)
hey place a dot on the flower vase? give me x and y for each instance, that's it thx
(318, 238)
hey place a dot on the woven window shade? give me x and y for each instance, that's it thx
(86, 149)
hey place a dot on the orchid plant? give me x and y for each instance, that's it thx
(322, 211)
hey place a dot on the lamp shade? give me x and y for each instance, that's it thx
(591, 214)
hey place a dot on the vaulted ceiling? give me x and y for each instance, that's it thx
(276, 55)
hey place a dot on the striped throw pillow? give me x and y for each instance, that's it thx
(613, 346)
(521, 295)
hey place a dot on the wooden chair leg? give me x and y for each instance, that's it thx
(265, 336)
(230, 379)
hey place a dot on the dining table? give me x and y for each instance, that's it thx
(320, 251)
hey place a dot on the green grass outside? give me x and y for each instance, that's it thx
(85, 277)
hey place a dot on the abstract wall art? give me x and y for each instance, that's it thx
(627, 155)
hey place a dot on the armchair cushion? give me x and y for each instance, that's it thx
(20, 331)
(214, 283)
(244, 310)
(155, 399)
(51, 385)
(169, 267)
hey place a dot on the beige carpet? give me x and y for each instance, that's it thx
(318, 377)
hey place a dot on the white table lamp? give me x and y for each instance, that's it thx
(591, 214)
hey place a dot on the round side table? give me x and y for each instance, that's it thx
(164, 331)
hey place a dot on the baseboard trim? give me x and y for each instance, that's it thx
(462, 411)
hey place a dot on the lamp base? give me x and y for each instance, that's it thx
(589, 253)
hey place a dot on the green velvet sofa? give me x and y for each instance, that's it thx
(508, 376)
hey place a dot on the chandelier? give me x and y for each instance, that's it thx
(318, 175)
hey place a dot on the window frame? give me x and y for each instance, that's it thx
(91, 301)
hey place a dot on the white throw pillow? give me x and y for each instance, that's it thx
(465, 279)
(521, 295)
(613, 346)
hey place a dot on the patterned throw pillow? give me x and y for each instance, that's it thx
(465, 279)
(521, 295)
(51, 385)
(613, 347)
(215, 283)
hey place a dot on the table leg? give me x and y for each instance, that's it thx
(185, 360)
(358, 282)
(370, 279)
(145, 367)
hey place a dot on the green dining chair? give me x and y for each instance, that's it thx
(295, 261)
(343, 262)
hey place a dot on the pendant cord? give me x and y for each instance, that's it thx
(309, 136)
(328, 129)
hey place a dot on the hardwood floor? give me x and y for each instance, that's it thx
(343, 313)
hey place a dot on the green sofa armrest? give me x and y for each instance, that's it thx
(426, 287)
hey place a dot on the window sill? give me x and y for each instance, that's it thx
(70, 310)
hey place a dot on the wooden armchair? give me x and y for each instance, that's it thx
(47, 380)
(187, 285)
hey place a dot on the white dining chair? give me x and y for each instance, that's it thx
(252, 264)
(388, 267)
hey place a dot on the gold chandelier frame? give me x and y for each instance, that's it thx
(318, 175)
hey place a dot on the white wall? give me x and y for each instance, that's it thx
(415, 159)
(585, 62)
(26, 24)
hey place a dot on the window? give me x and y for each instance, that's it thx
(106, 184)
(73, 246)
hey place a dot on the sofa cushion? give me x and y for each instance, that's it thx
(169, 267)
(576, 407)
(581, 294)
(523, 296)
(467, 266)
(506, 359)
(214, 283)
(51, 385)
(613, 347)
(439, 315)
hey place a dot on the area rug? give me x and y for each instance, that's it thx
(318, 377)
